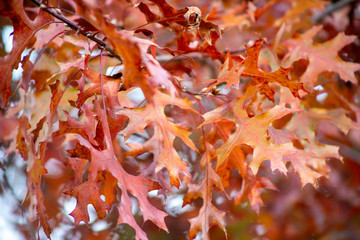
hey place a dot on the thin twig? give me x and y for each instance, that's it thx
(78, 29)
(333, 7)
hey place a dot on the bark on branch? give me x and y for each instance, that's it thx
(78, 29)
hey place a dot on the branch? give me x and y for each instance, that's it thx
(333, 7)
(78, 29)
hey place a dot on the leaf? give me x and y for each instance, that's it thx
(134, 52)
(111, 87)
(44, 35)
(208, 215)
(161, 143)
(309, 160)
(108, 188)
(38, 128)
(24, 29)
(305, 162)
(249, 68)
(22, 137)
(138, 186)
(253, 132)
(213, 217)
(35, 170)
(322, 56)
(87, 193)
(77, 163)
(252, 187)
(80, 63)
(85, 129)
(230, 73)
(264, 78)
(309, 163)
(56, 95)
(236, 160)
(34, 180)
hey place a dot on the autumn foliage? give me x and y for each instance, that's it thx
(183, 119)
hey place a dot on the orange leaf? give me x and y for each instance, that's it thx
(262, 78)
(165, 131)
(251, 131)
(230, 73)
(252, 187)
(208, 215)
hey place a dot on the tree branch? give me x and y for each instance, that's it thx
(333, 7)
(78, 29)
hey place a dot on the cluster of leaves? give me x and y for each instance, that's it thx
(175, 101)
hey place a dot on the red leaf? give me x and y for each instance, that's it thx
(87, 193)
(85, 129)
(24, 29)
(322, 56)
(110, 86)
(138, 186)
(35, 172)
